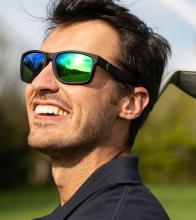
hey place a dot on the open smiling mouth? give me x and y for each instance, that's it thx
(49, 110)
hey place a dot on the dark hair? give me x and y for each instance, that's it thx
(143, 53)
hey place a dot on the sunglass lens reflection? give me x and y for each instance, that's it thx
(73, 67)
(32, 64)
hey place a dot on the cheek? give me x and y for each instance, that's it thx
(88, 102)
(28, 91)
(80, 95)
(28, 95)
(85, 104)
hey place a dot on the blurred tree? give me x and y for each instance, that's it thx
(167, 142)
(13, 163)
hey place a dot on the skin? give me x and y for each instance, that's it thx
(96, 125)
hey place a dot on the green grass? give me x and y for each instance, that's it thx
(24, 204)
(178, 200)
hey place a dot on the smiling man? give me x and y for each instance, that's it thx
(90, 88)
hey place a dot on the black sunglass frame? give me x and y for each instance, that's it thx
(118, 74)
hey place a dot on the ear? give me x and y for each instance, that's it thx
(132, 105)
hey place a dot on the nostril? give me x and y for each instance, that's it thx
(44, 91)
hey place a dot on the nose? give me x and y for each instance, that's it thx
(45, 81)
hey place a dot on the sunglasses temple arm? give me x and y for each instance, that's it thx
(114, 71)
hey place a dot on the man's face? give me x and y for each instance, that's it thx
(84, 114)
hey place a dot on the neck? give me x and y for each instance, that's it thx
(69, 176)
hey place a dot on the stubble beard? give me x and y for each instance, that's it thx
(94, 133)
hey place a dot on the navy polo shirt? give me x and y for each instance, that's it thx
(113, 192)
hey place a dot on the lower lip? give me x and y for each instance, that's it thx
(49, 117)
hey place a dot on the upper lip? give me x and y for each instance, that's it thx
(49, 102)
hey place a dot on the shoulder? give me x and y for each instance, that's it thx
(119, 202)
(139, 203)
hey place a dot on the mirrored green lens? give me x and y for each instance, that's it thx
(74, 68)
(31, 65)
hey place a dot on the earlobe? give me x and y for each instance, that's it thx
(132, 105)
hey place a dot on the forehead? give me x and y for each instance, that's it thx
(95, 36)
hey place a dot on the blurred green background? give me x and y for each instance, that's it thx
(166, 145)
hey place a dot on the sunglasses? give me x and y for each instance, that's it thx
(70, 67)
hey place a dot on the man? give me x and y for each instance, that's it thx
(90, 88)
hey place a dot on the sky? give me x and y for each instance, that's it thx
(174, 19)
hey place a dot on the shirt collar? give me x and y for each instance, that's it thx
(122, 170)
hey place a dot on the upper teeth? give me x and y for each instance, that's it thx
(49, 109)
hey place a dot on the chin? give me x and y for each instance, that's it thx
(60, 150)
(42, 141)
